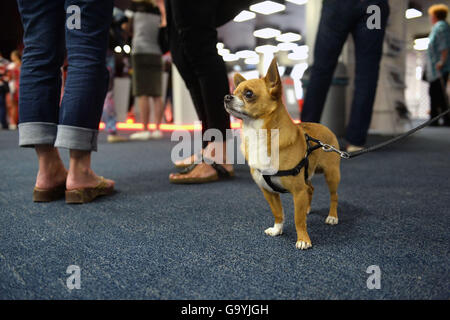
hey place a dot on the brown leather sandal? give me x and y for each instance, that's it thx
(84, 195)
(48, 195)
(221, 173)
(187, 165)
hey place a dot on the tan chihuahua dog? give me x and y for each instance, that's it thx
(258, 102)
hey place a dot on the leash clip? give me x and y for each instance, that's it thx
(329, 148)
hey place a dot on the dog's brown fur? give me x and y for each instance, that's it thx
(266, 104)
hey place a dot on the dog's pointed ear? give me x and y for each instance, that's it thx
(273, 80)
(238, 78)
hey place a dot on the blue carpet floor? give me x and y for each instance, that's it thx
(154, 240)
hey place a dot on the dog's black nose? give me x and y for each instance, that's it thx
(228, 98)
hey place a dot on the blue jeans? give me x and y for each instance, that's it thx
(73, 123)
(339, 19)
(109, 110)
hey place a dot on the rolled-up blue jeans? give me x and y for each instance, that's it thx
(51, 29)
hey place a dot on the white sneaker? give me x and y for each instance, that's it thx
(113, 138)
(12, 127)
(142, 136)
(157, 134)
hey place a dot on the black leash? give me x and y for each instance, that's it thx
(393, 140)
(349, 155)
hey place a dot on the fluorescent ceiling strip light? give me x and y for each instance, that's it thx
(244, 16)
(223, 52)
(267, 48)
(244, 54)
(287, 46)
(413, 13)
(230, 57)
(266, 33)
(267, 7)
(289, 37)
(299, 2)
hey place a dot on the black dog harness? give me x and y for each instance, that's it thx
(304, 163)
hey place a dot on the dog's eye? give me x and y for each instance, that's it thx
(248, 94)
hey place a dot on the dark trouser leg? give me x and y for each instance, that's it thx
(191, 81)
(40, 78)
(438, 102)
(198, 39)
(3, 121)
(87, 76)
(445, 102)
(368, 52)
(331, 36)
(434, 91)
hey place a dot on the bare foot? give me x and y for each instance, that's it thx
(80, 172)
(78, 179)
(52, 172)
(51, 175)
(187, 161)
(202, 170)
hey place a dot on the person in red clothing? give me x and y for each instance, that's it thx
(14, 76)
(4, 89)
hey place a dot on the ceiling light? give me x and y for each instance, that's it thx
(220, 45)
(413, 13)
(299, 2)
(223, 52)
(118, 49)
(421, 44)
(289, 37)
(254, 60)
(266, 33)
(244, 16)
(244, 54)
(299, 53)
(127, 49)
(267, 48)
(267, 7)
(230, 57)
(287, 46)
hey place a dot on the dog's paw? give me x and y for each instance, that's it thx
(276, 230)
(331, 220)
(303, 245)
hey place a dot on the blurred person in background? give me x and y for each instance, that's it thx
(109, 115)
(116, 38)
(168, 108)
(338, 20)
(46, 123)
(4, 89)
(14, 83)
(438, 62)
(146, 60)
(193, 40)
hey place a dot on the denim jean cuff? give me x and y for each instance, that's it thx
(35, 133)
(76, 138)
